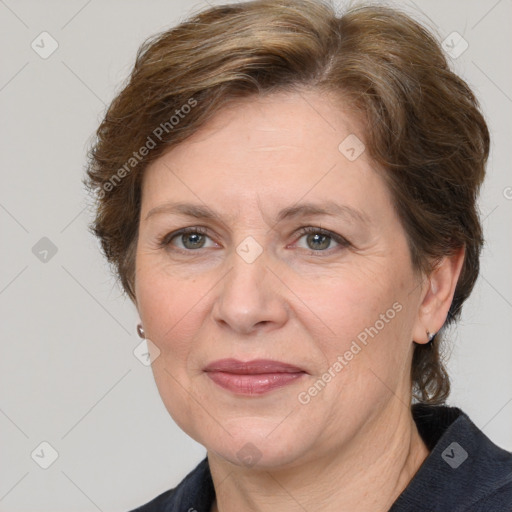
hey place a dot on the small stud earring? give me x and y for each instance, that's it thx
(430, 336)
(140, 331)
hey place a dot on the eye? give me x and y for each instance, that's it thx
(320, 240)
(316, 239)
(188, 239)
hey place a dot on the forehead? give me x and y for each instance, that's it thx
(278, 148)
(283, 122)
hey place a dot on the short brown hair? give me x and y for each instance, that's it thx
(423, 125)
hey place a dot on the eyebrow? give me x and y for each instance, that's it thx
(188, 209)
(328, 208)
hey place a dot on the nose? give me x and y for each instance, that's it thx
(250, 298)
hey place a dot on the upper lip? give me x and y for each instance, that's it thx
(256, 366)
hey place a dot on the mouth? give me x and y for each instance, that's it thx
(254, 377)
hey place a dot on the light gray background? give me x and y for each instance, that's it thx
(67, 372)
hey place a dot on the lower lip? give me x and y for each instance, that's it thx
(253, 384)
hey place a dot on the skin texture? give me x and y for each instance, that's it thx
(303, 300)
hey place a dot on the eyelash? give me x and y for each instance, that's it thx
(165, 241)
(341, 241)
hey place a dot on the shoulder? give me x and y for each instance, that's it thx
(194, 492)
(465, 470)
(158, 504)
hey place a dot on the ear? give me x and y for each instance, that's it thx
(437, 296)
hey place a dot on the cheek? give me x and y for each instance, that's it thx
(348, 301)
(366, 360)
(170, 309)
(367, 322)
(168, 306)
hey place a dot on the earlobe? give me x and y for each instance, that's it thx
(437, 296)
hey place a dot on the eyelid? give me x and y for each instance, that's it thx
(340, 240)
(166, 240)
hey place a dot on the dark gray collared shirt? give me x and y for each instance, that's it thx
(465, 472)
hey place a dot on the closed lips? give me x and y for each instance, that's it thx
(252, 378)
(254, 367)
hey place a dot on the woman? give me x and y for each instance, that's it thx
(289, 198)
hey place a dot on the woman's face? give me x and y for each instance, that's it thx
(338, 302)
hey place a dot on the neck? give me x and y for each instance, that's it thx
(367, 474)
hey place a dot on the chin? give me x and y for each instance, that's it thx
(253, 444)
